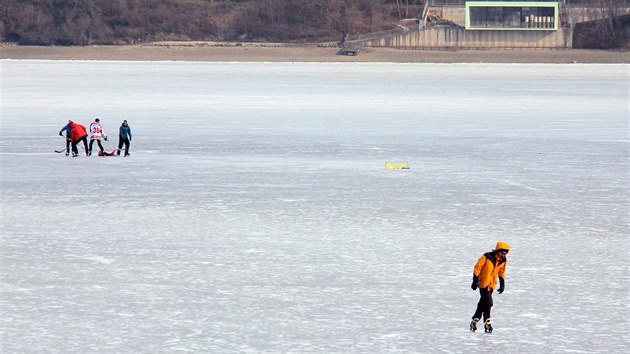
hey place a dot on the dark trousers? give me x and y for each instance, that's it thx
(484, 305)
(122, 141)
(68, 142)
(100, 146)
(75, 151)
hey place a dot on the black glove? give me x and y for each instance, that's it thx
(60, 134)
(501, 286)
(474, 284)
(105, 138)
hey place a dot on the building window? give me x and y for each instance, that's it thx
(518, 15)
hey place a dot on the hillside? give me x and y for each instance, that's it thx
(603, 34)
(106, 22)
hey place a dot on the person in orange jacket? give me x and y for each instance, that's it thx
(78, 133)
(489, 266)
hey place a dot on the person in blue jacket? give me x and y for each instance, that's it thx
(124, 137)
(66, 130)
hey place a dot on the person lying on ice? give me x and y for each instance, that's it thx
(489, 266)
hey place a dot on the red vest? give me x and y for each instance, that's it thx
(77, 131)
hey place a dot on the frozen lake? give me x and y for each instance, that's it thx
(255, 213)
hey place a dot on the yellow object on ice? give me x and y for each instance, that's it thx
(404, 165)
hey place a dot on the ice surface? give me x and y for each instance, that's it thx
(255, 213)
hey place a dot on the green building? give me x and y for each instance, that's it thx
(512, 15)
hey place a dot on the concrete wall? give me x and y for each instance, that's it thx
(573, 14)
(448, 37)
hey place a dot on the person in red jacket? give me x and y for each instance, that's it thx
(489, 266)
(78, 133)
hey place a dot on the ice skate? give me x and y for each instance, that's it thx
(487, 326)
(473, 324)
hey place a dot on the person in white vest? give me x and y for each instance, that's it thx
(97, 133)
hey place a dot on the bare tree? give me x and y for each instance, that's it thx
(371, 7)
(344, 17)
(609, 10)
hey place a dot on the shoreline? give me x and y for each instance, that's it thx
(249, 52)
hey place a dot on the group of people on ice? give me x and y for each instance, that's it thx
(76, 133)
(489, 268)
